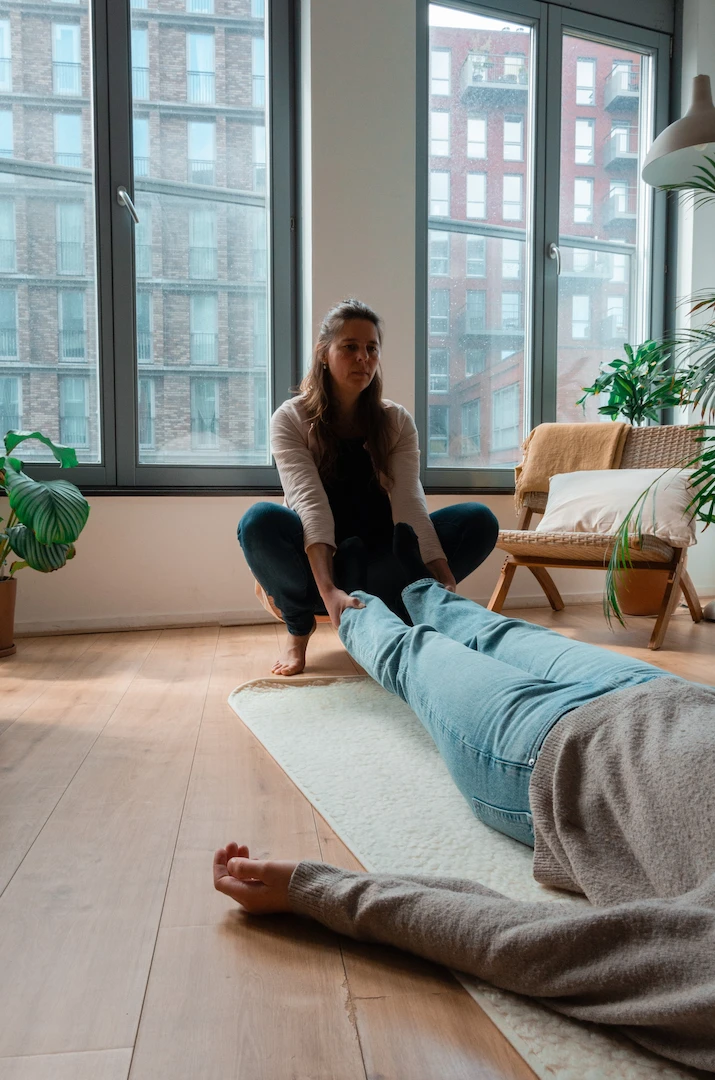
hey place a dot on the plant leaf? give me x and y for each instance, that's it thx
(55, 510)
(42, 557)
(64, 454)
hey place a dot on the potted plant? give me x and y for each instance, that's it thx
(45, 519)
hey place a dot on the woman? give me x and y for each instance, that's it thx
(603, 764)
(349, 462)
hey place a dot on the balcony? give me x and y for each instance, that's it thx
(203, 262)
(497, 80)
(204, 348)
(141, 165)
(620, 208)
(140, 83)
(144, 346)
(8, 344)
(201, 87)
(70, 257)
(72, 344)
(8, 253)
(201, 171)
(622, 90)
(621, 148)
(69, 161)
(66, 78)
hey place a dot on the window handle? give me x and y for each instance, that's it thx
(124, 199)
(554, 252)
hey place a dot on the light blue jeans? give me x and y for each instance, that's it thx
(487, 688)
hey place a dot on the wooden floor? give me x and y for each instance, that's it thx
(121, 770)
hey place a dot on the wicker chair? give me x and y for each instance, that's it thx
(645, 448)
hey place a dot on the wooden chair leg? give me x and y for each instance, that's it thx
(670, 598)
(691, 596)
(502, 586)
(548, 584)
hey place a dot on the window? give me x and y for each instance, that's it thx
(584, 142)
(476, 195)
(140, 136)
(585, 82)
(142, 242)
(74, 416)
(70, 238)
(440, 66)
(514, 68)
(66, 65)
(439, 138)
(68, 140)
(471, 435)
(8, 252)
(203, 249)
(511, 258)
(510, 310)
(439, 312)
(439, 194)
(200, 69)
(476, 311)
(475, 360)
(146, 411)
(5, 56)
(144, 326)
(505, 418)
(140, 63)
(200, 7)
(6, 136)
(580, 317)
(258, 9)
(618, 267)
(620, 139)
(582, 200)
(204, 414)
(438, 253)
(10, 404)
(513, 138)
(583, 260)
(615, 317)
(204, 329)
(511, 203)
(618, 193)
(260, 335)
(259, 72)
(439, 371)
(72, 344)
(476, 256)
(259, 250)
(202, 151)
(8, 327)
(259, 158)
(476, 137)
(438, 430)
(139, 3)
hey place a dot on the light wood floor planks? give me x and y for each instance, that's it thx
(122, 770)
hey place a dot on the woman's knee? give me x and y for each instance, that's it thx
(264, 520)
(481, 520)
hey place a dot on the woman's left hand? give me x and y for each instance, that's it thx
(260, 886)
(439, 569)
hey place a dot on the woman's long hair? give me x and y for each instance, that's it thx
(317, 396)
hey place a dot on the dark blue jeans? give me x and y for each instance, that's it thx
(271, 537)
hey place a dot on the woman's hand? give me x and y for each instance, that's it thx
(439, 569)
(261, 887)
(336, 601)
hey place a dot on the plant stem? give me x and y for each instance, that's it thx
(5, 548)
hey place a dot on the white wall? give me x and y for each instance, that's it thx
(154, 561)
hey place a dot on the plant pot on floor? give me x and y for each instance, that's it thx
(640, 592)
(8, 589)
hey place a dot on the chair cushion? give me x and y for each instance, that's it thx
(586, 548)
(599, 501)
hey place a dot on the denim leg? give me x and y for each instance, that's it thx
(533, 649)
(272, 540)
(467, 533)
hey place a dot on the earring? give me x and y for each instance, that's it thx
(325, 366)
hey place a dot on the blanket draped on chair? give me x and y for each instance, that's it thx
(565, 448)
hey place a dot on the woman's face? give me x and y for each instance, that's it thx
(353, 356)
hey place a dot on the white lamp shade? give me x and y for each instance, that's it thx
(676, 154)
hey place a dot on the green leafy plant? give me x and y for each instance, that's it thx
(639, 386)
(46, 516)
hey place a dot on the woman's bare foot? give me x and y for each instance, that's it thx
(292, 658)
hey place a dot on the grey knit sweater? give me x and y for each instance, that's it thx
(623, 799)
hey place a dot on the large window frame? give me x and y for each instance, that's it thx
(549, 21)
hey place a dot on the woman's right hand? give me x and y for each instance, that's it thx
(336, 601)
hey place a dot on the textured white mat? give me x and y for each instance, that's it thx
(366, 763)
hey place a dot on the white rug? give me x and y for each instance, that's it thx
(366, 763)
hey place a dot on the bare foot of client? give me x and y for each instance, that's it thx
(292, 658)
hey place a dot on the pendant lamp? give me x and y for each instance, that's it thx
(676, 154)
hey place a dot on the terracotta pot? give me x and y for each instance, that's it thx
(8, 589)
(640, 592)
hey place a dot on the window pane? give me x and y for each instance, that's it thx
(439, 194)
(603, 292)
(201, 247)
(439, 140)
(476, 137)
(440, 71)
(438, 253)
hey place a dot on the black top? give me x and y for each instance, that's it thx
(359, 505)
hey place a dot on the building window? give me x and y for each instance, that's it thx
(438, 430)
(8, 246)
(260, 332)
(6, 133)
(438, 253)
(8, 327)
(511, 258)
(440, 68)
(471, 435)
(511, 200)
(74, 417)
(146, 410)
(202, 151)
(618, 194)
(204, 414)
(203, 245)
(66, 64)
(439, 134)
(582, 201)
(68, 140)
(200, 7)
(200, 69)
(139, 4)
(514, 68)
(10, 404)
(73, 334)
(259, 249)
(258, 55)
(615, 317)
(475, 360)
(476, 137)
(70, 238)
(439, 312)
(439, 371)
(513, 138)
(580, 317)
(5, 58)
(585, 82)
(476, 195)
(476, 311)
(144, 326)
(584, 142)
(476, 256)
(258, 9)
(203, 328)
(505, 418)
(140, 135)
(618, 267)
(439, 194)
(259, 158)
(511, 310)
(142, 242)
(140, 63)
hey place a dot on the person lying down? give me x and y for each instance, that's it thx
(605, 765)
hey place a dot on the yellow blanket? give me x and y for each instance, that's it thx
(563, 448)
